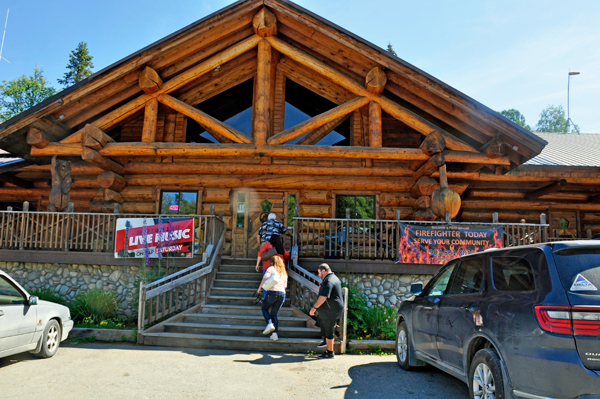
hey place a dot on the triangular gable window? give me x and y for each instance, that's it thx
(233, 107)
(302, 104)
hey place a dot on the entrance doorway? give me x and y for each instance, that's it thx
(252, 208)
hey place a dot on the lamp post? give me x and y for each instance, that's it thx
(569, 121)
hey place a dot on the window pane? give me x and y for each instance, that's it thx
(512, 274)
(291, 209)
(361, 207)
(344, 202)
(170, 203)
(187, 203)
(468, 278)
(365, 207)
(240, 210)
(439, 285)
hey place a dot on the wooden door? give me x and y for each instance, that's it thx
(260, 204)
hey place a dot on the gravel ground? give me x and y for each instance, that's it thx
(101, 370)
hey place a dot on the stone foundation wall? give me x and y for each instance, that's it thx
(70, 279)
(385, 289)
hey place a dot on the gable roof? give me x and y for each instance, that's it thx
(428, 100)
(568, 149)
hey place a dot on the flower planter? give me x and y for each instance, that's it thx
(103, 334)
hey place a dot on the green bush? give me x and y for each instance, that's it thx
(94, 305)
(364, 322)
(380, 321)
(48, 294)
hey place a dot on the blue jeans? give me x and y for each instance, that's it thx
(274, 301)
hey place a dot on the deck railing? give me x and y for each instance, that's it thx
(182, 290)
(83, 232)
(304, 291)
(379, 239)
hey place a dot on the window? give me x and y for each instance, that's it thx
(240, 210)
(361, 206)
(438, 287)
(512, 274)
(179, 202)
(468, 278)
(9, 294)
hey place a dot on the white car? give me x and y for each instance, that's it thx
(28, 324)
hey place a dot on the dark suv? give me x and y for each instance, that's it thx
(518, 322)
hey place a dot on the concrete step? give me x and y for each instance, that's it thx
(252, 310)
(235, 291)
(254, 276)
(221, 283)
(240, 320)
(236, 300)
(240, 330)
(232, 342)
(238, 261)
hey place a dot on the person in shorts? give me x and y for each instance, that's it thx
(329, 308)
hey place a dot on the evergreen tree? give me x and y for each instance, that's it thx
(23, 93)
(79, 67)
(391, 49)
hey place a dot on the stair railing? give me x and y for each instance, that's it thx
(304, 291)
(184, 289)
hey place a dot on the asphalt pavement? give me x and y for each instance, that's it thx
(101, 370)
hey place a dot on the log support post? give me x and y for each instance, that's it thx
(263, 103)
(37, 138)
(150, 118)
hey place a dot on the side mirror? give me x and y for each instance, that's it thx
(416, 289)
(33, 300)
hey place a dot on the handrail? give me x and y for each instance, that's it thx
(82, 231)
(304, 291)
(180, 290)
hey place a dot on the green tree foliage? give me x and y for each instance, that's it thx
(553, 120)
(516, 117)
(391, 49)
(79, 67)
(23, 93)
(360, 207)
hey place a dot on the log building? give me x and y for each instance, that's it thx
(264, 103)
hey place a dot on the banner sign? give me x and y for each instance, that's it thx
(131, 242)
(440, 243)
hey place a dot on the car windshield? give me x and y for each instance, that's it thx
(579, 269)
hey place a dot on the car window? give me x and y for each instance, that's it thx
(512, 274)
(579, 269)
(468, 277)
(438, 286)
(9, 295)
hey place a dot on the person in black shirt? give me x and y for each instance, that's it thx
(330, 304)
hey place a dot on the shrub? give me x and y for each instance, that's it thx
(364, 322)
(94, 305)
(357, 306)
(48, 294)
(380, 322)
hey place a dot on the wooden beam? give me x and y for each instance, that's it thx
(494, 148)
(474, 167)
(222, 168)
(108, 195)
(94, 137)
(551, 188)
(112, 180)
(261, 123)
(376, 80)
(204, 119)
(395, 110)
(433, 144)
(150, 118)
(265, 23)
(149, 81)
(375, 127)
(17, 181)
(318, 121)
(316, 135)
(430, 166)
(37, 138)
(93, 157)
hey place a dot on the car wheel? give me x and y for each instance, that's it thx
(485, 376)
(403, 347)
(50, 339)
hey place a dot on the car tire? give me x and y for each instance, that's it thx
(403, 347)
(50, 340)
(485, 376)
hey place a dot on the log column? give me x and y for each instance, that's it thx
(169, 133)
(432, 146)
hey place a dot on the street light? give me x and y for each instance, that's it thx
(569, 121)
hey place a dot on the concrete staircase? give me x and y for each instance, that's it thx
(229, 319)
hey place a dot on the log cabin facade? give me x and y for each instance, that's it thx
(263, 103)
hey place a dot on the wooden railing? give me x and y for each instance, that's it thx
(304, 291)
(182, 290)
(379, 239)
(82, 232)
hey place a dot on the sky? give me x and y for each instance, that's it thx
(503, 53)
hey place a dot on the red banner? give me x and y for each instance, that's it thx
(440, 243)
(130, 241)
